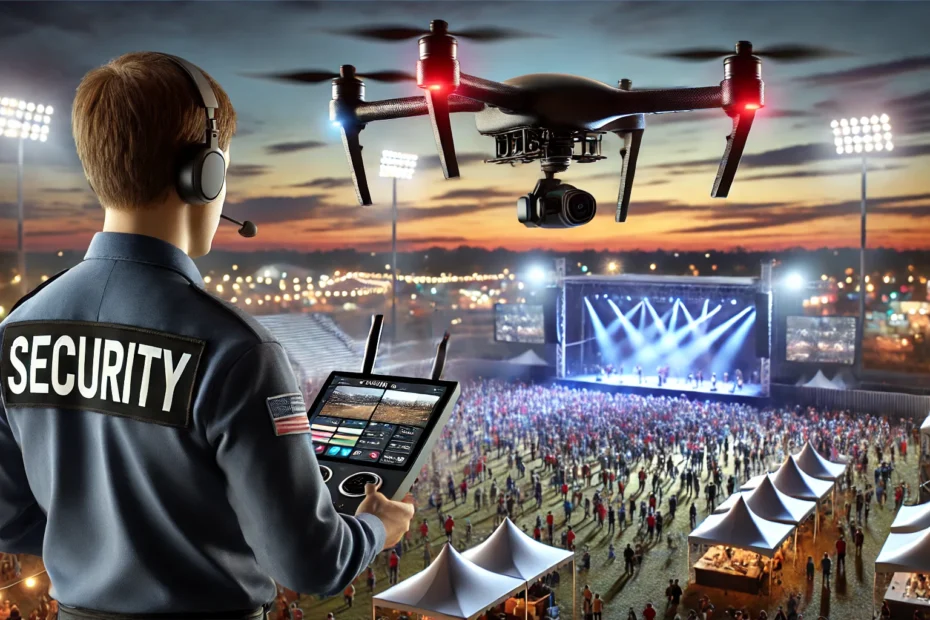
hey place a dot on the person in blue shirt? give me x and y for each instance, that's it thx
(154, 447)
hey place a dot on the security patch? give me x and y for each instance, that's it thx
(289, 414)
(141, 374)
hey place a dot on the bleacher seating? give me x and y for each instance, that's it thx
(314, 343)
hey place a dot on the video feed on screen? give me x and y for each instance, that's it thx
(522, 323)
(407, 408)
(354, 403)
(821, 339)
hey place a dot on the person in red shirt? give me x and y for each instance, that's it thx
(450, 527)
(649, 613)
(841, 554)
(570, 538)
(394, 566)
(564, 491)
(537, 534)
(550, 525)
(424, 530)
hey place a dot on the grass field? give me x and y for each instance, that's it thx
(849, 597)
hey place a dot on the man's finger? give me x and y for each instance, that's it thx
(408, 498)
(371, 488)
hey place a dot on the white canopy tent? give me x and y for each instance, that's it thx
(753, 482)
(790, 480)
(911, 519)
(768, 502)
(743, 529)
(771, 504)
(812, 464)
(509, 551)
(451, 588)
(820, 381)
(528, 358)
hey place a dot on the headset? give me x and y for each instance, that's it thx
(201, 171)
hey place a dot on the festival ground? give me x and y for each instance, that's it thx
(849, 596)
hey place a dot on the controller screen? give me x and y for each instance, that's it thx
(373, 421)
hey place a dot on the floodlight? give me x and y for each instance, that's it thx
(25, 120)
(537, 274)
(864, 135)
(397, 165)
(794, 281)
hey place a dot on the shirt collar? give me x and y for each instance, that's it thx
(143, 249)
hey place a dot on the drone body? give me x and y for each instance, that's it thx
(553, 118)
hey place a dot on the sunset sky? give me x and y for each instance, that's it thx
(290, 176)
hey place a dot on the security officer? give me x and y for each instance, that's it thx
(142, 449)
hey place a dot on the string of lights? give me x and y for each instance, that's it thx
(30, 581)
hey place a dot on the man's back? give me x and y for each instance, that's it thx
(160, 469)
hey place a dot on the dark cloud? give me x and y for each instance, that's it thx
(883, 70)
(794, 156)
(293, 147)
(475, 193)
(807, 174)
(431, 162)
(739, 218)
(278, 209)
(247, 170)
(325, 183)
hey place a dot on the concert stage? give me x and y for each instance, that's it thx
(629, 384)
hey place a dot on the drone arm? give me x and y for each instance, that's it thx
(492, 93)
(628, 154)
(673, 100)
(370, 111)
(736, 142)
(353, 150)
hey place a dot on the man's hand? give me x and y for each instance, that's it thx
(395, 516)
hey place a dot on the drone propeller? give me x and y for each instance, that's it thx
(784, 53)
(318, 76)
(488, 34)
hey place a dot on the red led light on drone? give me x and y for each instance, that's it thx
(752, 106)
(435, 87)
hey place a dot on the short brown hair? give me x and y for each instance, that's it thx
(132, 118)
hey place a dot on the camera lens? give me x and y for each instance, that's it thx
(579, 207)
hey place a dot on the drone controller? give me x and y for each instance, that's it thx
(378, 429)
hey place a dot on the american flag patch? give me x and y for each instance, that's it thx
(289, 414)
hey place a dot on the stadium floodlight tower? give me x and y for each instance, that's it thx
(395, 166)
(862, 137)
(23, 120)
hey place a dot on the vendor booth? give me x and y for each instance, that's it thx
(790, 480)
(902, 574)
(753, 482)
(509, 551)
(736, 549)
(451, 588)
(768, 502)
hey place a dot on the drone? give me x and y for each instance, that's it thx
(554, 119)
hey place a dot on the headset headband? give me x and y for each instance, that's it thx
(207, 96)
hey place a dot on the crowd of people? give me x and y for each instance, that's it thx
(625, 460)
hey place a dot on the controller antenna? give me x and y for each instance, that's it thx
(440, 360)
(371, 345)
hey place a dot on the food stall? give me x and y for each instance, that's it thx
(790, 480)
(771, 504)
(816, 466)
(509, 551)
(902, 574)
(736, 549)
(451, 588)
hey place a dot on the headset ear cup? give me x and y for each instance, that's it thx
(187, 182)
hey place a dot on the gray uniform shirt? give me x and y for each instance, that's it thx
(154, 446)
